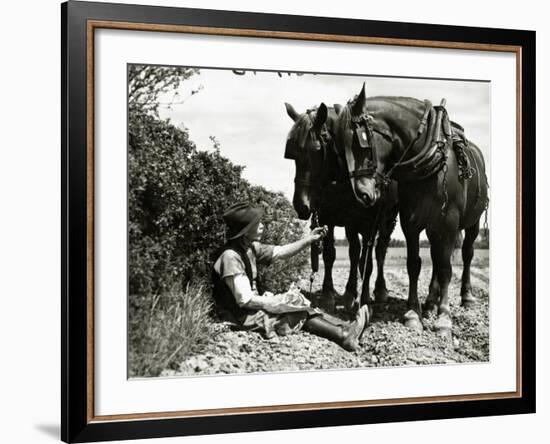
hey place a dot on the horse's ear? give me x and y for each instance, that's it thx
(337, 108)
(359, 103)
(321, 116)
(291, 112)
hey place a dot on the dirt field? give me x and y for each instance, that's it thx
(386, 342)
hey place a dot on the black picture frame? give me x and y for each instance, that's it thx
(77, 421)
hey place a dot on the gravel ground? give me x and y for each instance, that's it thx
(385, 343)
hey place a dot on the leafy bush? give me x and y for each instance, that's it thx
(146, 83)
(177, 196)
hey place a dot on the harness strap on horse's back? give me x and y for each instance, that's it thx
(404, 169)
(424, 119)
(427, 150)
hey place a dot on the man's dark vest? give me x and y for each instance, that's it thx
(223, 297)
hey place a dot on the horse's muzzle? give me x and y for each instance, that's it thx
(302, 208)
(367, 201)
(367, 193)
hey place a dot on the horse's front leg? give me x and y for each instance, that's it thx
(468, 299)
(413, 317)
(387, 226)
(329, 256)
(350, 295)
(366, 271)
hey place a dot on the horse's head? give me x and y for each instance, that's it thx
(306, 145)
(365, 150)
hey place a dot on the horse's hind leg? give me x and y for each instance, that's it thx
(432, 301)
(329, 256)
(350, 295)
(443, 241)
(468, 299)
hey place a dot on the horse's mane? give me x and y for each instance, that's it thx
(397, 101)
(378, 103)
(344, 120)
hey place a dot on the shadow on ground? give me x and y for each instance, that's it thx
(51, 430)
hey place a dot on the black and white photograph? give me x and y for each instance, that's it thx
(296, 221)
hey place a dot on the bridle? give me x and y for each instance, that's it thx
(363, 130)
(321, 143)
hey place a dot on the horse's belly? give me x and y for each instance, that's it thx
(418, 204)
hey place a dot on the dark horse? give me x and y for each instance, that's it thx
(322, 187)
(410, 142)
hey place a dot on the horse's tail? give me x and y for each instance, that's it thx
(478, 161)
(477, 152)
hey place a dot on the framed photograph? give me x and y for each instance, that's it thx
(275, 221)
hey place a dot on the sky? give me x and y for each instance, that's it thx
(247, 115)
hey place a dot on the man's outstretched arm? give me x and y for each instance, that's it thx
(289, 250)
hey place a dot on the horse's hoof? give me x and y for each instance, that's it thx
(412, 321)
(350, 302)
(468, 300)
(380, 296)
(468, 304)
(352, 307)
(328, 304)
(429, 307)
(443, 326)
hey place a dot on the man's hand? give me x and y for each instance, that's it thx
(318, 233)
(285, 251)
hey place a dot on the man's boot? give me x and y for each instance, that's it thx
(345, 336)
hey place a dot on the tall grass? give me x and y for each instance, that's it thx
(167, 328)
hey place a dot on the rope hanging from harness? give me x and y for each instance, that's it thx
(440, 142)
(315, 251)
(370, 243)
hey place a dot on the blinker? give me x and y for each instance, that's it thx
(290, 150)
(362, 137)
